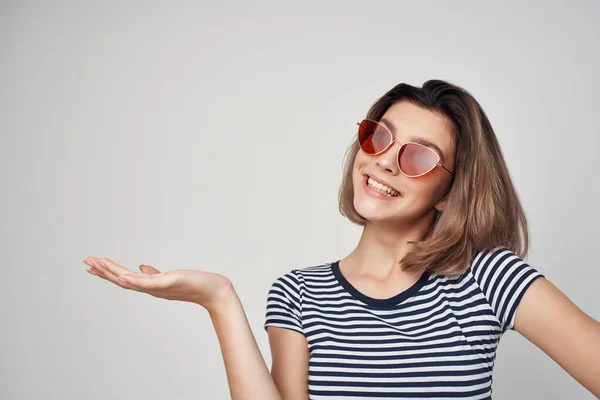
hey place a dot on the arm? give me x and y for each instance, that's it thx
(247, 373)
(289, 351)
(548, 319)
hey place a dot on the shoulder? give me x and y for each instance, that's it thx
(297, 279)
(286, 296)
(503, 277)
(496, 262)
(299, 276)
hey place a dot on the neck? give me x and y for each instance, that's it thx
(383, 244)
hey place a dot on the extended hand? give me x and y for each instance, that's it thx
(204, 288)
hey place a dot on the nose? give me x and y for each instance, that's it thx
(388, 160)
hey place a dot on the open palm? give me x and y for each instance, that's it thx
(200, 287)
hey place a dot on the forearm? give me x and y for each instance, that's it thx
(247, 374)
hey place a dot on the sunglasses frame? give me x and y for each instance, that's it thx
(392, 140)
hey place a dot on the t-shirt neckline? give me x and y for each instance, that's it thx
(378, 303)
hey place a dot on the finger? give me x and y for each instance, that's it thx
(94, 271)
(148, 269)
(104, 273)
(113, 267)
(149, 283)
(109, 276)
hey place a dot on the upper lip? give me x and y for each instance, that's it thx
(381, 181)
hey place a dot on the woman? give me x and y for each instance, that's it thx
(418, 308)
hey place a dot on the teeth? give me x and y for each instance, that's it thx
(382, 188)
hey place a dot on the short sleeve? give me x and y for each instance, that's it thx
(503, 278)
(284, 303)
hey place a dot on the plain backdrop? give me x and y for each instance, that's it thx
(211, 135)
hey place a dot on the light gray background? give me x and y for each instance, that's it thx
(204, 136)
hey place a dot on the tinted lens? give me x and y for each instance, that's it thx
(415, 159)
(373, 137)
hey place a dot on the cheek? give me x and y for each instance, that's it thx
(424, 189)
(356, 180)
(359, 159)
(358, 163)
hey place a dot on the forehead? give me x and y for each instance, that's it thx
(409, 122)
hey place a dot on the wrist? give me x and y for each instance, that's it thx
(223, 303)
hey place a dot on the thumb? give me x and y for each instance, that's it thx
(147, 269)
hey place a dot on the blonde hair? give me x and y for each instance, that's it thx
(482, 210)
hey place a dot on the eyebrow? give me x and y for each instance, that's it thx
(416, 139)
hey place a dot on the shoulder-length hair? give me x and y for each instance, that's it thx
(482, 209)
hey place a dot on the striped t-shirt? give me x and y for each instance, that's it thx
(435, 340)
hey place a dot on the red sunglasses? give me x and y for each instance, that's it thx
(414, 159)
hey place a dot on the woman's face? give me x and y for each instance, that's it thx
(418, 196)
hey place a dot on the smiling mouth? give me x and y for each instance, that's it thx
(381, 188)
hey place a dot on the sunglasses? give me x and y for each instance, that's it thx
(414, 159)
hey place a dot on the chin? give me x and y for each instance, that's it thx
(370, 210)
